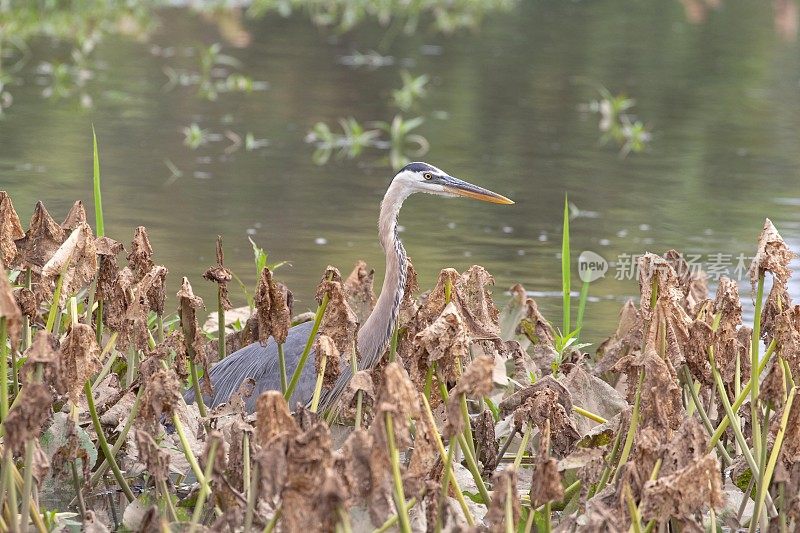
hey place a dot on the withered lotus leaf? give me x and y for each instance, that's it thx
(140, 258)
(661, 404)
(445, 341)
(358, 288)
(150, 453)
(75, 217)
(80, 358)
(684, 492)
(220, 275)
(10, 229)
(476, 381)
(40, 242)
(325, 347)
(27, 420)
(772, 255)
(188, 304)
(505, 488)
(339, 322)
(75, 260)
(546, 482)
(273, 308)
(162, 394)
(9, 310)
(273, 417)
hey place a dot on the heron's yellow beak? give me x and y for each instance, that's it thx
(459, 187)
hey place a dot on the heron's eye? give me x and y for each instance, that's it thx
(428, 176)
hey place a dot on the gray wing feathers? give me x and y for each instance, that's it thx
(261, 363)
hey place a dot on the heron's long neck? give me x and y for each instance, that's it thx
(374, 334)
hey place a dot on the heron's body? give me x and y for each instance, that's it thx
(261, 362)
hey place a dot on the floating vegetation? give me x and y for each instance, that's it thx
(414, 88)
(617, 125)
(396, 137)
(476, 416)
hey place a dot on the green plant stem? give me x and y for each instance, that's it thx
(394, 456)
(282, 365)
(448, 465)
(198, 394)
(11, 495)
(626, 448)
(78, 492)
(688, 382)
(101, 470)
(754, 376)
(392, 520)
(737, 431)
(766, 478)
(509, 507)
(472, 464)
(309, 343)
(3, 367)
(522, 446)
(273, 521)
(162, 486)
(101, 439)
(588, 414)
(393, 344)
(189, 454)
(221, 349)
(51, 317)
(252, 495)
(201, 498)
(723, 425)
(442, 453)
(636, 520)
(318, 384)
(110, 345)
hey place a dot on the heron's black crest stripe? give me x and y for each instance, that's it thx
(418, 167)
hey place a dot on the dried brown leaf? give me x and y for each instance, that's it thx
(27, 420)
(358, 288)
(505, 488)
(772, 255)
(75, 260)
(9, 310)
(220, 275)
(150, 453)
(273, 308)
(188, 304)
(80, 358)
(546, 482)
(273, 417)
(40, 242)
(140, 258)
(661, 403)
(324, 347)
(445, 341)
(75, 217)
(10, 229)
(339, 322)
(684, 492)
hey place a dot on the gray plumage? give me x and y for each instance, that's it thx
(261, 362)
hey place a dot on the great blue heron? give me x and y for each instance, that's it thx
(260, 362)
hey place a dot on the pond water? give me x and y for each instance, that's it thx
(508, 105)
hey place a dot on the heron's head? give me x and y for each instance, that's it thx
(422, 177)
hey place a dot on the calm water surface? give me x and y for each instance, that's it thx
(506, 108)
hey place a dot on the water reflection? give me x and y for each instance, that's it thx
(502, 107)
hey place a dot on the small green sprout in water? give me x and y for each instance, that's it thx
(630, 134)
(194, 136)
(413, 89)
